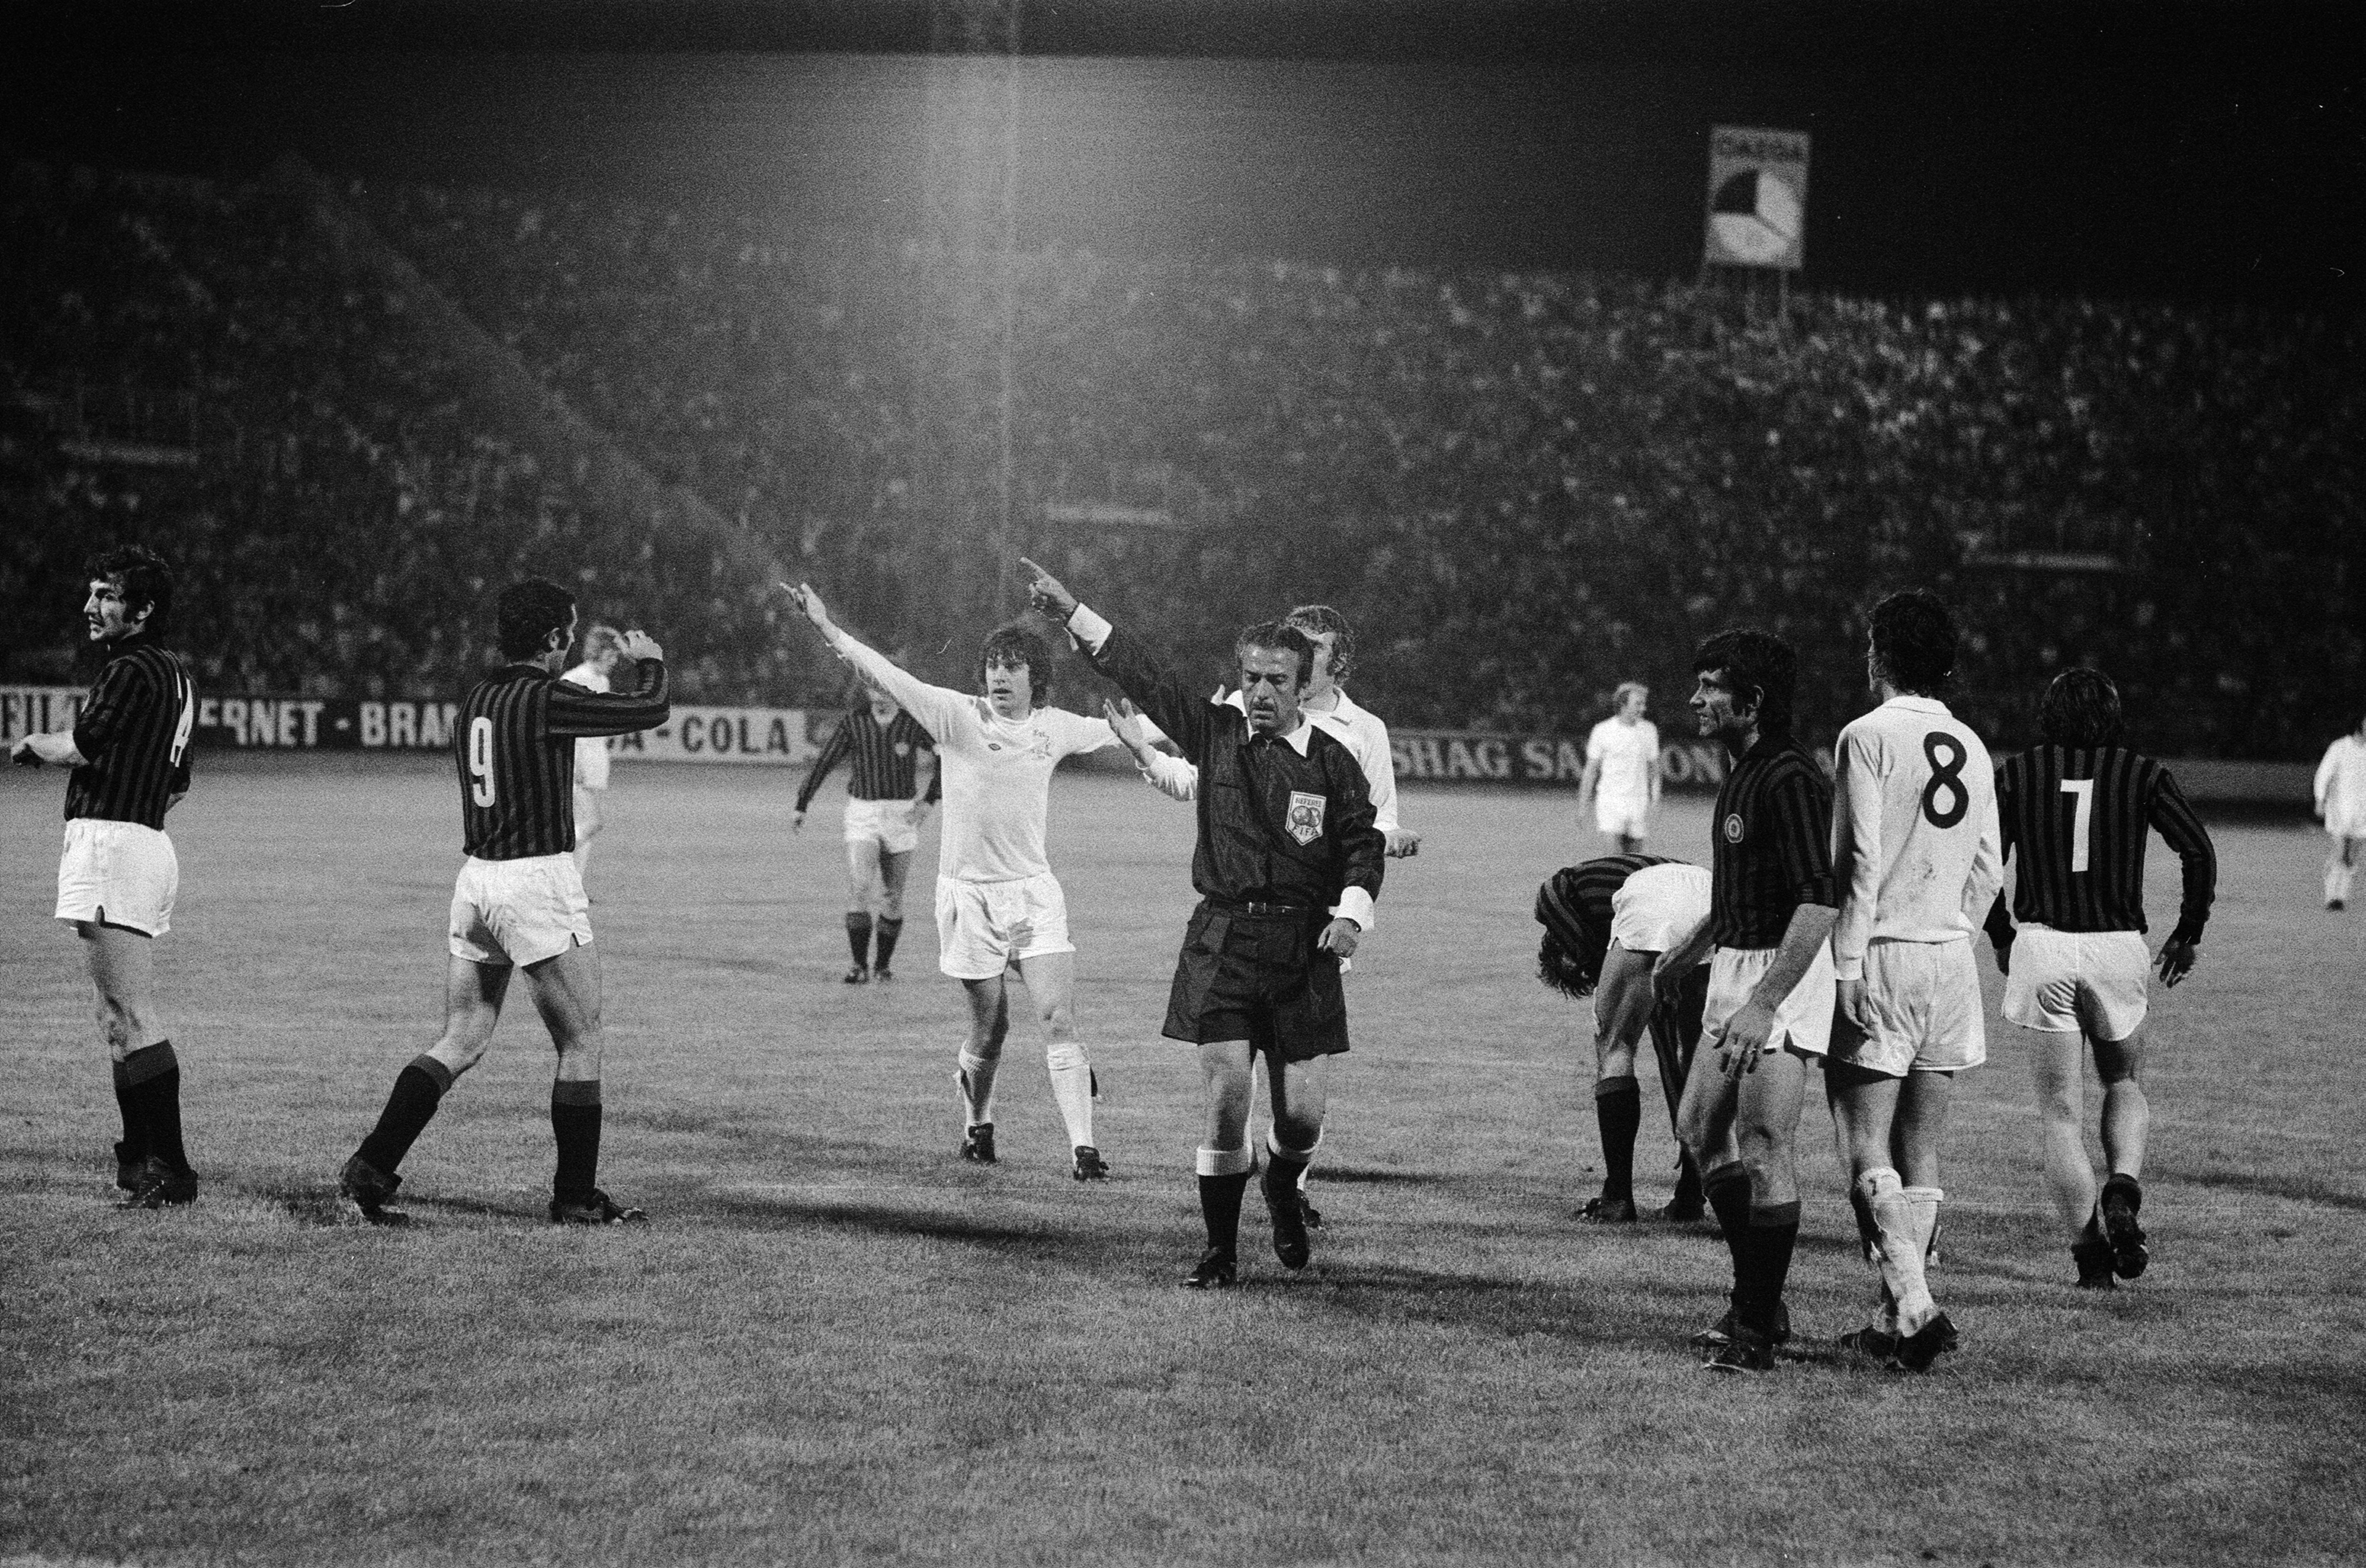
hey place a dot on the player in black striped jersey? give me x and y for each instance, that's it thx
(2074, 812)
(886, 803)
(117, 877)
(519, 901)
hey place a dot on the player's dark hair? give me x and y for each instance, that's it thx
(526, 614)
(147, 583)
(1759, 666)
(2081, 708)
(1316, 620)
(1014, 644)
(1279, 637)
(1914, 638)
(1569, 957)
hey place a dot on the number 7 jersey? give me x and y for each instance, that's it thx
(1915, 850)
(515, 745)
(2075, 819)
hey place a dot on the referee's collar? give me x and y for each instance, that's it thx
(1297, 739)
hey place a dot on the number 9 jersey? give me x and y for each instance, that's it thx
(1916, 853)
(515, 746)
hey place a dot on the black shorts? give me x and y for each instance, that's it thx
(1258, 978)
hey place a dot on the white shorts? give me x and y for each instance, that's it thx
(1625, 819)
(118, 874)
(1657, 907)
(889, 821)
(2093, 981)
(1924, 1000)
(519, 911)
(1804, 1021)
(983, 928)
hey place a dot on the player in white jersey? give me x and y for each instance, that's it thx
(1622, 771)
(1917, 857)
(998, 906)
(602, 646)
(2341, 802)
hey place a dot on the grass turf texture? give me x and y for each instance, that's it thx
(837, 1342)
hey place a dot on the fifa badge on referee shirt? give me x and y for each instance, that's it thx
(1305, 816)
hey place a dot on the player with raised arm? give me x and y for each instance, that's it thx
(118, 874)
(998, 906)
(2340, 796)
(603, 649)
(1916, 856)
(518, 902)
(1606, 922)
(1622, 771)
(1769, 986)
(1287, 862)
(894, 778)
(2074, 811)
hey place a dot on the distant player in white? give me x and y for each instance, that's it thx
(602, 648)
(998, 906)
(2341, 802)
(1622, 771)
(1917, 856)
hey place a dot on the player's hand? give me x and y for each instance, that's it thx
(1851, 1004)
(1403, 843)
(1131, 732)
(1745, 1038)
(796, 822)
(640, 645)
(810, 604)
(23, 755)
(1052, 601)
(2176, 960)
(1340, 937)
(1667, 977)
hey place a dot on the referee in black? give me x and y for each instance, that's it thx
(1287, 863)
(884, 807)
(2074, 812)
(118, 874)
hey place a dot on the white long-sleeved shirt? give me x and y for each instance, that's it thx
(1916, 851)
(2341, 788)
(997, 771)
(591, 751)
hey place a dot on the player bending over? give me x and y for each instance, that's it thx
(886, 802)
(519, 903)
(1770, 987)
(998, 906)
(2341, 805)
(1287, 863)
(1916, 856)
(118, 874)
(1606, 923)
(2074, 811)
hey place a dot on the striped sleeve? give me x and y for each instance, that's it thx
(575, 713)
(1803, 835)
(2172, 817)
(111, 701)
(832, 753)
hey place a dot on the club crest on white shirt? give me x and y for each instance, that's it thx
(1306, 816)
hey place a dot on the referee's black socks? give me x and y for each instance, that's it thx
(418, 1090)
(575, 1123)
(150, 1093)
(1618, 1112)
(1223, 1177)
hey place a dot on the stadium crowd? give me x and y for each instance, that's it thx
(1527, 488)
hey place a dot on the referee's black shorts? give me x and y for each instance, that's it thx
(1258, 978)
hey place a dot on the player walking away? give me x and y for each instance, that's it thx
(602, 648)
(1916, 857)
(2074, 811)
(2342, 804)
(1287, 863)
(886, 802)
(1770, 987)
(117, 877)
(1606, 923)
(1622, 771)
(998, 906)
(519, 903)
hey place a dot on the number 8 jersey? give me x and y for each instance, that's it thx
(515, 745)
(1916, 852)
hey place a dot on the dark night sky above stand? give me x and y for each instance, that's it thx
(2209, 151)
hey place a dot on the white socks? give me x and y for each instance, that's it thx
(1901, 1248)
(1072, 1086)
(977, 1087)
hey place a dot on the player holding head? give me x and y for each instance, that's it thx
(1622, 771)
(519, 903)
(886, 802)
(118, 876)
(998, 906)
(1606, 923)
(1770, 987)
(1287, 863)
(602, 648)
(1916, 857)
(2074, 810)
(2341, 805)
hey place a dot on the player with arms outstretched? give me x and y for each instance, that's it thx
(998, 906)
(894, 778)
(518, 902)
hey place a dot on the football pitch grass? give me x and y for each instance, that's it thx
(835, 1342)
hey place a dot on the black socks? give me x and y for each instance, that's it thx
(858, 937)
(149, 1092)
(418, 1089)
(889, 930)
(575, 1123)
(1220, 1207)
(1618, 1111)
